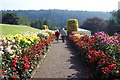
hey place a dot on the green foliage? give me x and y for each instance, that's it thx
(112, 27)
(44, 27)
(37, 24)
(114, 23)
(72, 25)
(0, 17)
(53, 27)
(15, 29)
(49, 23)
(23, 20)
(10, 18)
(45, 22)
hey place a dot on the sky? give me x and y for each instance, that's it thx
(85, 5)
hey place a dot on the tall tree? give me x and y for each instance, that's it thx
(95, 24)
(10, 18)
(37, 24)
(116, 18)
(0, 17)
(112, 27)
(23, 20)
(45, 22)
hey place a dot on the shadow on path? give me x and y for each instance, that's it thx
(77, 64)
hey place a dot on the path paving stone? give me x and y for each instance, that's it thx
(62, 61)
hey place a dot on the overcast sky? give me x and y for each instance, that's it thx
(86, 5)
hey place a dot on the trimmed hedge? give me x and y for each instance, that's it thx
(44, 27)
(72, 25)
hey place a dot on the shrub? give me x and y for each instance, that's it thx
(72, 25)
(44, 27)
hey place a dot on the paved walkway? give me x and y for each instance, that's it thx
(62, 62)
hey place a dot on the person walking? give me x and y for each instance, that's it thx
(63, 34)
(57, 34)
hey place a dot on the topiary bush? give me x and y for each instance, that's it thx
(72, 25)
(44, 27)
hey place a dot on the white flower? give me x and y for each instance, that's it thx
(9, 42)
(46, 34)
(1, 52)
(9, 50)
(1, 48)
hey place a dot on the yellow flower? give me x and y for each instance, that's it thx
(78, 35)
(117, 71)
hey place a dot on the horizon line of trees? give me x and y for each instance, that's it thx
(58, 18)
(93, 24)
(13, 18)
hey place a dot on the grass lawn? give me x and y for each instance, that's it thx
(7, 29)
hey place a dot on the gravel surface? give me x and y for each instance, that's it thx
(62, 61)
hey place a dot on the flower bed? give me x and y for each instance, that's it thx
(101, 52)
(21, 54)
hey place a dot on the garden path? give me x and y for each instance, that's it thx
(62, 61)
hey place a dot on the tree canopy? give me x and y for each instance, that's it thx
(116, 19)
(95, 24)
(58, 18)
(10, 18)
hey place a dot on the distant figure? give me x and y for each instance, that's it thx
(57, 34)
(63, 34)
